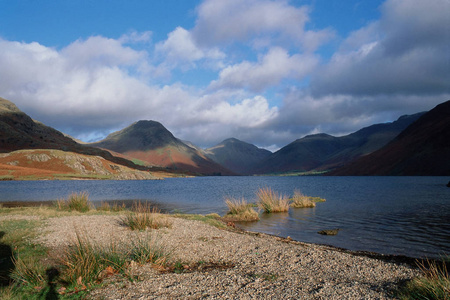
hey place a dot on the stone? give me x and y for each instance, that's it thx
(329, 231)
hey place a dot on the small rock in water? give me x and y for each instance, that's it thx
(329, 231)
(448, 184)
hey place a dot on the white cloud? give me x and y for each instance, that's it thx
(86, 89)
(270, 70)
(181, 50)
(223, 22)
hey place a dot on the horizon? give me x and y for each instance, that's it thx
(264, 72)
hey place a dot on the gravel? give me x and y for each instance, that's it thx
(238, 265)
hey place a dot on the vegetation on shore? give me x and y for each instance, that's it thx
(29, 271)
(143, 216)
(300, 200)
(240, 210)
(433, 284)
(270, 201)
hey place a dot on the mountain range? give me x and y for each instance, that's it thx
(412, 145)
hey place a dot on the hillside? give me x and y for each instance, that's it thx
(57, 164)
(238, 156)
(152, 143)
(18, 132)
(421, 149)
(321, 152)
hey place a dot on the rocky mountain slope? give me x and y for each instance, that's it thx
(57, 164)
(18, 132)
(423, 148)
(238, 156)
(152, 143)
(320, 152)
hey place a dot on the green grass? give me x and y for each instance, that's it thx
(271, 202)
(22, 262)
(433, 284)
(26, 267)
(7, 177)
(240, 210)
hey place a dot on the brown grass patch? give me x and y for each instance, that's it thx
(270, 201)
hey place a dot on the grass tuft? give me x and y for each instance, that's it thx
(240, 210)
(300, 201)
(270, 201)
(105, 206)
(143, 216)
(85, 264)
(433, 284)
(76, 201)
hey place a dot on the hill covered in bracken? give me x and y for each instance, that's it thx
(19, 132)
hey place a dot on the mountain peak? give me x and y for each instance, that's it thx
(8, 106)
(142, 135)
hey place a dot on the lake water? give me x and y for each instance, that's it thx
(390, 215)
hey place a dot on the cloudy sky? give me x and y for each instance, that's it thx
(263, 71)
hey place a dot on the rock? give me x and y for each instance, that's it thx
(329, 231)
(448, 184)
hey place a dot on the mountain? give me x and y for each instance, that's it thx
(423, 148)
(18, 132)
(321, 152)
(152, 143)
(238, 156)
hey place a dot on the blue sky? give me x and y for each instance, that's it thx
(266, 72)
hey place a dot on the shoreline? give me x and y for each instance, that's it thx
(399, 258)
(258, 265)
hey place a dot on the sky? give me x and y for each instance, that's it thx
(267, 72)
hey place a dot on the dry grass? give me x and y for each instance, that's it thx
(76, 201)
(143, 216)
(85, 264)
(240, 210)
(270, 201)
(300, 201)
(105, 206)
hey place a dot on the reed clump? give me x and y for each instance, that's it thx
(240, 210)
(144, 216)
(76, 201)
(433, 284)
(300, 200)
(271, 202)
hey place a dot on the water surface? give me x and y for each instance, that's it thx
(391, 215)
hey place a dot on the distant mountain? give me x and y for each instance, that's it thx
(423, 148)
(18, 131)
(320, 152)
(240, 157)
(151, 142)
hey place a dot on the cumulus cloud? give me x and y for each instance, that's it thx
(395, 65)
(270, 70)
(223, 22)
(180, 49)
(86, 89)
(405, 52)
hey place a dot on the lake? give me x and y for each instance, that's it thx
(390, 215)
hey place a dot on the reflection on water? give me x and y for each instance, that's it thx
(392, 215)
